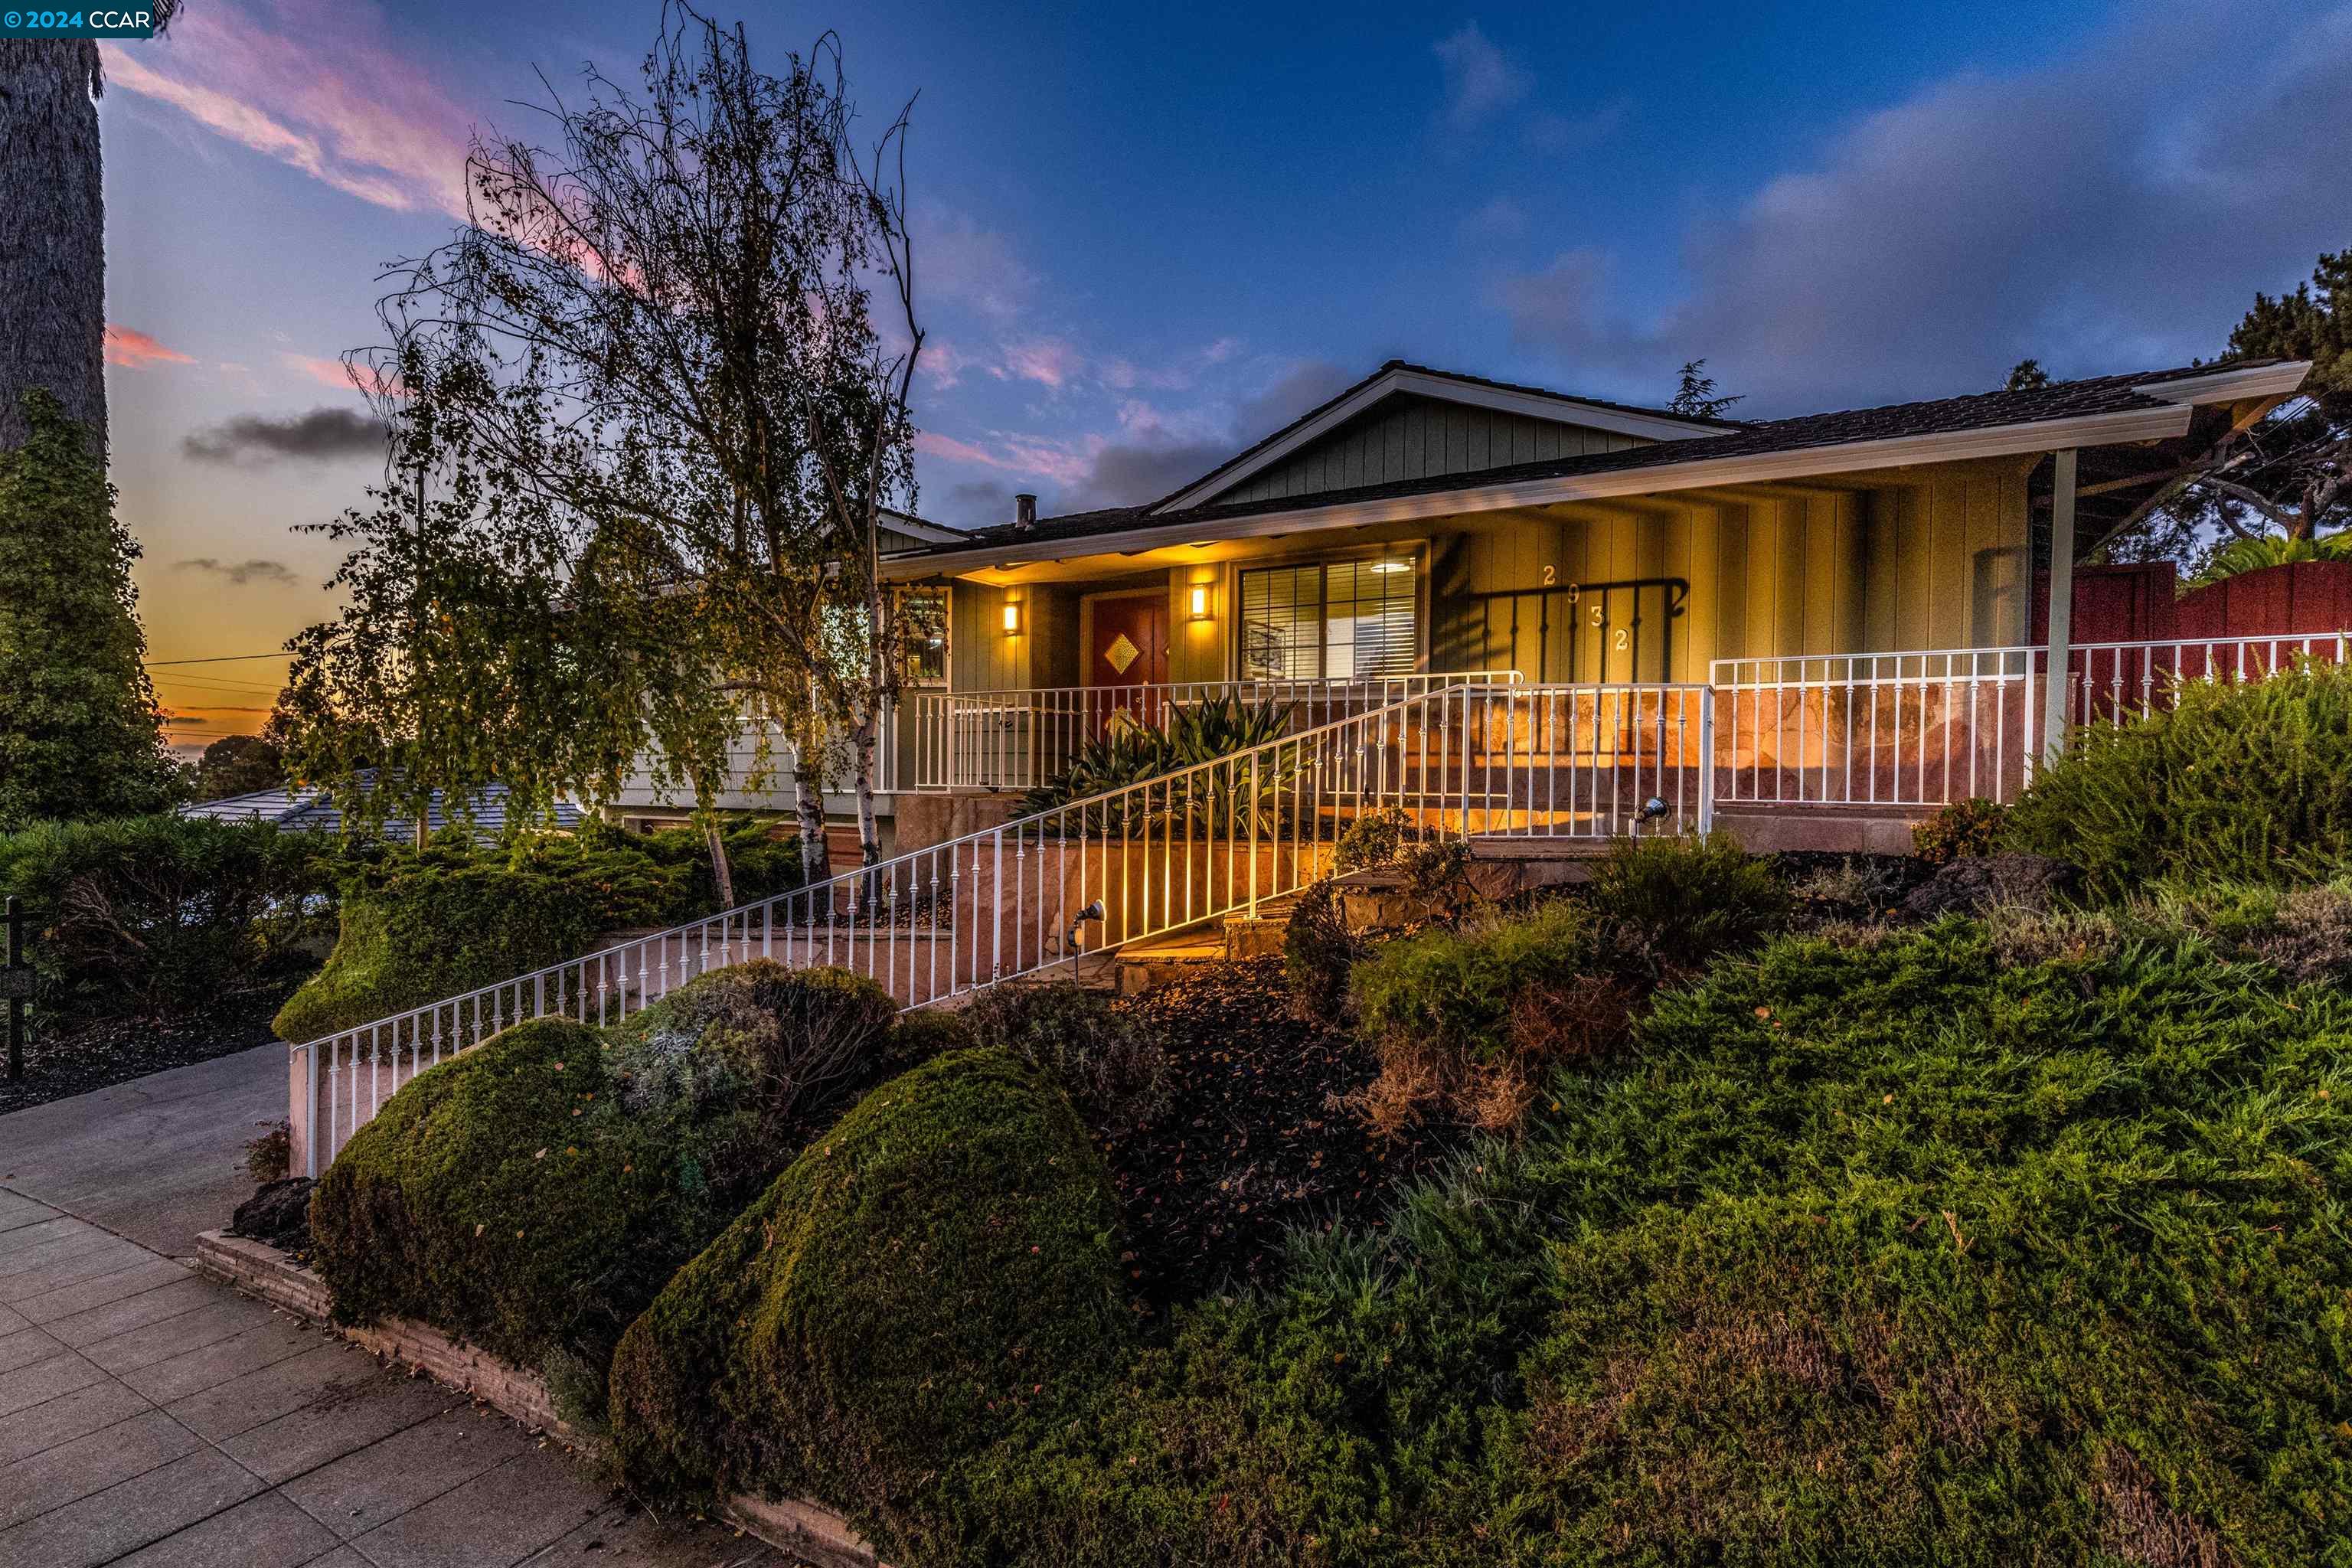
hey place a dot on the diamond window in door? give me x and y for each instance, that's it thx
(1121, 653)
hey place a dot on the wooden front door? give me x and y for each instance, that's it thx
(1128, 645)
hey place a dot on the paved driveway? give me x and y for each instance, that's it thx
(150, 1416)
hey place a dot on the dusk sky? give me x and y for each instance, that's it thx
(1150, 235)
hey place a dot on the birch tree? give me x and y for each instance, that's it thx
(652, 354)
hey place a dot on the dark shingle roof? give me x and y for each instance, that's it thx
(296, 809)
(1942, 416)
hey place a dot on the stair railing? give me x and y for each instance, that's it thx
(1213, 839)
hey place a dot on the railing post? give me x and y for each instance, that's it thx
(1253, 831)
(1706, 759)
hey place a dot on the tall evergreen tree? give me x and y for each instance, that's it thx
(53, 229)
(81, 735)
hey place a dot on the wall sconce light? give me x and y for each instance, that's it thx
(1199, 600)
(1013, 617)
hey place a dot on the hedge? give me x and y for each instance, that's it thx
(535, 1193)
(156, 915)
(937, 1271)
(422, 924)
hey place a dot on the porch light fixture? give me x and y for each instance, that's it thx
(1199, 600)
(1013, 617)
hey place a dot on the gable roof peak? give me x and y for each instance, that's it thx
(1400, 376)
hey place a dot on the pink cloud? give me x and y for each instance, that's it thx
(943, 364)
(1046, 360)
(135, 349)
(960, 263)
(1027, 455)
(342, 105)
(335, 373)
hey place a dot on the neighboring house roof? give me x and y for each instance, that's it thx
(295, 809)
(905, 526)
(2150, 405)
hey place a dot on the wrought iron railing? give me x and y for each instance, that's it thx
(1213, 839)
(1016, 739)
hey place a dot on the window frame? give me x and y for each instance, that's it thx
(1415, 554)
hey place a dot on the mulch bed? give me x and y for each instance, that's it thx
(114, 1050)
(1253, 1145)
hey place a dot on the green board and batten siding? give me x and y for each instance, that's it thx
(1410, 437)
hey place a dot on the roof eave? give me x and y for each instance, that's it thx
(2165, 422)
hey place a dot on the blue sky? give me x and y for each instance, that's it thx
(1150, 234)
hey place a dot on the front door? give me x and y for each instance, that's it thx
(1129, 645)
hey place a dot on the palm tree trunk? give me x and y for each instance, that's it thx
(52, 233)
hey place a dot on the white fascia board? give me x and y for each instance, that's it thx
(2003, 440)
(1559, 408)
(1693, 473)
(2231, 386)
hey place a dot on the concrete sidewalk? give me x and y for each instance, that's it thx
(157, 1159)
(149, 1416)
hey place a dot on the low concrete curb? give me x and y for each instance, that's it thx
(816, 1535)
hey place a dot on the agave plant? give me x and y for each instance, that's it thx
(1130, 755)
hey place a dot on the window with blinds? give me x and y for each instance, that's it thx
(1347, 620)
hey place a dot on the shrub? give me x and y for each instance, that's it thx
(1963, 828)
(1192, 733)
(1110, 1066)
(2235, 782)
(534, 1193)
(156, 915)
(421, 925)
(1471, 1019)
(1677, 903)
(1371, 839)
(763, 860)
(1895, 1253)
(937, 1271)
(1319, 950)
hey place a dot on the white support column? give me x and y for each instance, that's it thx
(2061, 602)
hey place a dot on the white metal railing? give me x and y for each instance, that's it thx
(1927, 727)
(1213, 839)
(1875, 728)
(1015, 739)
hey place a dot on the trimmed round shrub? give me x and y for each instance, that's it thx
(535, 1193)
(2235, 782)
(937, 1271)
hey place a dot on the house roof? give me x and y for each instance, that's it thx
(1399, 375)
(2141, 407)
(297, 809)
